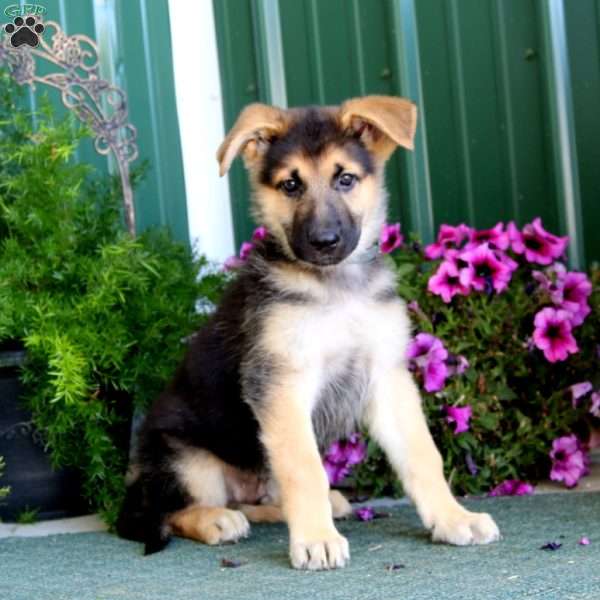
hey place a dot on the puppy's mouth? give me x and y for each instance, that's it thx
(323, 261)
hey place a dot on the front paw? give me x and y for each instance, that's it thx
(462, 528)
(329, 551)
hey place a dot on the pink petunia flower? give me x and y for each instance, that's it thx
(449, 237)
(576, 288)
(584, 541)
(552, 281)
(484, 272)
(414, 306)
(356, 449)
(235, 262)
(427, 355)
(232, 263)
(538, 245)
(569, 460)
(460, 416)
(512, 487)
(260, 233)
(496, 238)
(342, 455)
(366, 513)
(578, 391)
(245, 250)
(506, 260)
(446, 282)
(595, 405)
(457, 364)
(553, 335)
(390, 238)
(514, 235)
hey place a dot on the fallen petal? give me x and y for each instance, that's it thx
(551, 546)
(366, 513)
(231, 564)
(584, 541)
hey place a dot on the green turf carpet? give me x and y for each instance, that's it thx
(99, 566)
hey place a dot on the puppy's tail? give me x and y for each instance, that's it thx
(142, 523)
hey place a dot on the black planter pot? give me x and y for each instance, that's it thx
(33, 482)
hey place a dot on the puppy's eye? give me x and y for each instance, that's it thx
(290, 186)
(346, 182)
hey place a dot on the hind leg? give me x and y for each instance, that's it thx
(210, 524)
(207, 519)
(271, 513)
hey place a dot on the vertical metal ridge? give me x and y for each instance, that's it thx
(462, 121)
(62, 16)
(406, 44)
(503, 89)
(316, 46)
(156, 150)
(359, 47)
(270, 50)
(105, 28)
(228, 97)
(562, 126)
(233, 29)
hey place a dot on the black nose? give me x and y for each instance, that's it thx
(325, 239)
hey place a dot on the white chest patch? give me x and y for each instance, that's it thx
(329, 335)
(340, 344)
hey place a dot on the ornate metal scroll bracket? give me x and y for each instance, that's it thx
(95, 101)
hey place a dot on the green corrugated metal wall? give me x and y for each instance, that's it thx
(135, 52)
(583, 34)
(327, 69)
(480, 71)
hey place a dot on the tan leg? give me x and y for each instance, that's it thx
(210, 524)
(340, 507)
(396, 420)
(269, 513)
(296, 465)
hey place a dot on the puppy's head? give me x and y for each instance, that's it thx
(317, 173)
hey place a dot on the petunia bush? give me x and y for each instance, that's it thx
(505, 350)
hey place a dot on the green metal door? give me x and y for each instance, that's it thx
(481, 72)
(486, 125)
(322, 65)
(583, 35)
(336, 50)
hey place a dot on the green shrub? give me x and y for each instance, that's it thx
(102, 315)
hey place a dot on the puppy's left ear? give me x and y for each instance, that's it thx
(381, 122)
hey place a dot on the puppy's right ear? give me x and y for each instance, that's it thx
(250, 135)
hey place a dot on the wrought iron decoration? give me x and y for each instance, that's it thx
(95, 101)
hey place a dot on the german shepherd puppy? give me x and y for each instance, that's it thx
(307, 345)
